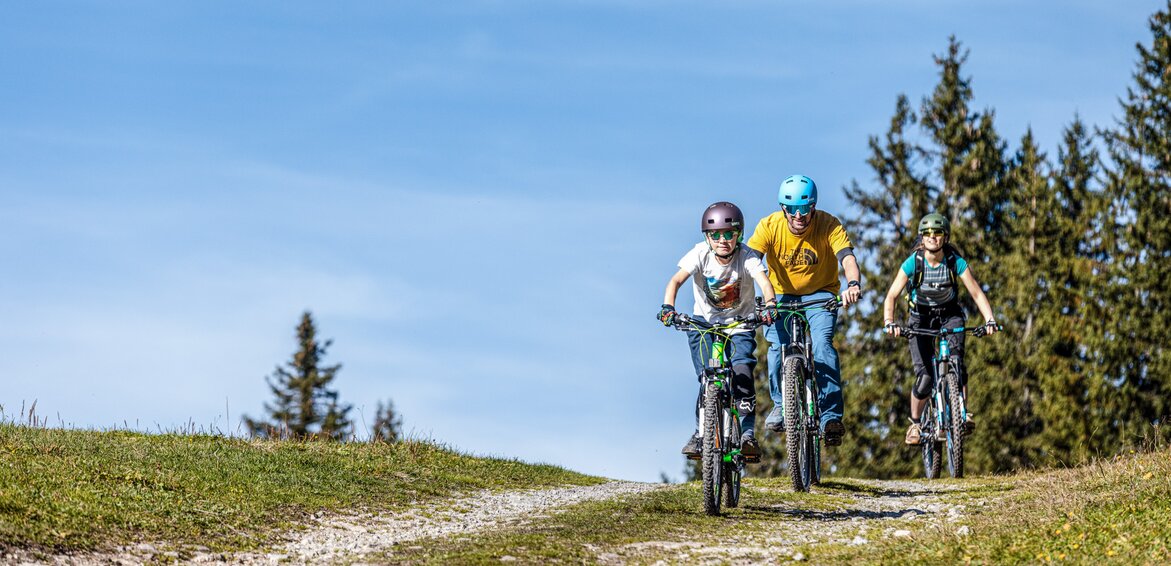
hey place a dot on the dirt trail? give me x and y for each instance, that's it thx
(879, 509)
(332, 538)
(887, 508)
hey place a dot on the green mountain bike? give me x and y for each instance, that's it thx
(799, 393)
(943, 416)
(723, 464)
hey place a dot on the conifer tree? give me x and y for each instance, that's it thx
(304, 405)
(388, 424)
(1139, 181)
(956, 167)
(1004, 386)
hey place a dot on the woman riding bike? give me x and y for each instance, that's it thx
(928, 276)
(723, 271)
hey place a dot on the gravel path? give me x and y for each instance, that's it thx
(895, 509)
(890, 509)
(331, 538)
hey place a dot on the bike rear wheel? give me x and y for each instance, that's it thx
(814, 434)
(955, 417)
(713, 450)
(792, 376)
(731, 473)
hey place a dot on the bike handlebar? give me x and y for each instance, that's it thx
(830, 304)
(977, 331)
(684, 321)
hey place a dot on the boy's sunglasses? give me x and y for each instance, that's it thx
(797, 209)
(728, 235)
(933, 233)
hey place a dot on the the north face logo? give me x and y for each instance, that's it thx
(800, 257)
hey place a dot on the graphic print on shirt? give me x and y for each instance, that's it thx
(800, 257)
(723, 292)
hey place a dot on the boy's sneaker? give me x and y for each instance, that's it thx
(694, 447)
(833, 431)
(969, 425)
(914, 434)
(749, 448)
(775, 420)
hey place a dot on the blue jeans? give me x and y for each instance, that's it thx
(822, 324)
(740, 353)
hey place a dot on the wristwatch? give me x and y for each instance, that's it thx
(854, 283)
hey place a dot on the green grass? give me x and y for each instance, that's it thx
(1115, 511)
(66, 490)
(1112, 512)
(63, 490)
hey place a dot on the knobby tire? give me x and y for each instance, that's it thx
(932, 454)
(731, 473)
(712, 450)
(792, 375)
(955, 435)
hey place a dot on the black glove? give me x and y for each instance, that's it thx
(667, 315)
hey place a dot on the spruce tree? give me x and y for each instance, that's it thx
(1005, 378)
(952, 163)
(1139, 181)
(388, 424)
(1073, 384)
(304, 405)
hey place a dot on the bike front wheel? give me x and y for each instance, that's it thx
(793, 375)
(713, 450)
(932, 453)
(955, 435)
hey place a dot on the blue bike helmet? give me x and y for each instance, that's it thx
(797, 190)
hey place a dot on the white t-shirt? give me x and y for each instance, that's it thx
(722, 292)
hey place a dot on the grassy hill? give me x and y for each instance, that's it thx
(68, 490)
(63, 490)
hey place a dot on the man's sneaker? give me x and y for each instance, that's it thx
(969, 425)
(749, 448)
(775, 420)
(833, 431)
(914, 434)
(694, 447)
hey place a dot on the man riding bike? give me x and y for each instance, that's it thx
(802, 247)
(722, 271)
(928, 276)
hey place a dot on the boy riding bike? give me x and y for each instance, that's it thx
(722, 271)
(928, 276)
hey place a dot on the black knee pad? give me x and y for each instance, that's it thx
(743, 388)
(923, 383)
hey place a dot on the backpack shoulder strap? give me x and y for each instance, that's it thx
(916, 277)
(950, 258)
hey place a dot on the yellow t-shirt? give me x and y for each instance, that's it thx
(800, 265)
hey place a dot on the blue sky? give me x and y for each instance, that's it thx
(480, 202)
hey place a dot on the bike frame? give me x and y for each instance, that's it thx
(723, 462)
(803, 427)
(946, 419)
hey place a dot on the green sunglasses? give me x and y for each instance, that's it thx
(933, 233)
(727, 234)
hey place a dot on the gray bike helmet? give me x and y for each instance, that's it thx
(934, 221)
(722, 216)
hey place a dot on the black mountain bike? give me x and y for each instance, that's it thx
(723, 464)
(943, 416)
(799, 393)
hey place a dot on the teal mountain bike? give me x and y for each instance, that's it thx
(799, 393)
(944, 415)
(723, 464)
